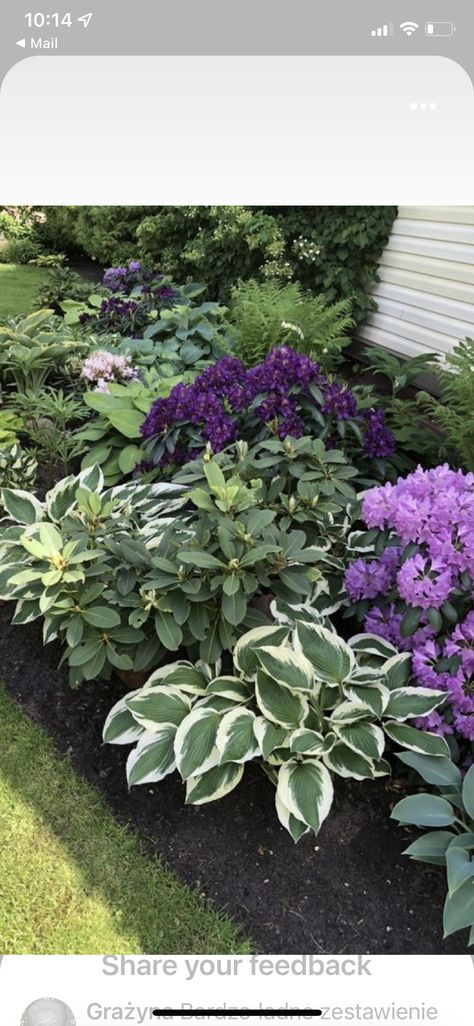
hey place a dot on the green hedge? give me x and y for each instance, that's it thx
(330, 250)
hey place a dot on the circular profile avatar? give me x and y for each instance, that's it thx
(48, 1012)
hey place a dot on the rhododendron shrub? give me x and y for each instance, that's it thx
(413, 584)
(285, 395)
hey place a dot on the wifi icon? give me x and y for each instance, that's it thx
(409, 27)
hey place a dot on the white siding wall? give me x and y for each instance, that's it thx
(425, 296)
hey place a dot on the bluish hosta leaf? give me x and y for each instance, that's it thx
(290, 669)
(305, 789)
(280, 705)
(195, 743)
(153, 758)
(365, 739)
(459, 909)
(416, 740)
(235, 737)
(268, 735)
(460, 867)
(468, 793)
(397, 670)
(21, 506)
(348, 764)
(296, 828)
(229, 687)
(430, 847)
(154, 706)
(464, 840)
(371, 644)
(436, 770)
(120, 727)
(406, 703)
(245, 652)
(213, 784)
(424, 810)
(330, 656)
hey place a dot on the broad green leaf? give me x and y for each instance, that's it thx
(153, 758)
(459, 909)
(365, 739)
(348, 764)
(195, 743)
(460, 867)
(201, 559)
(234, 607)
(213, 784)
(245, 651)
(168, 631)
(127, 422)
(102, 617)
(305, 789)
(280, 705)
(430, 847)
(416, 740)
(468, 793)
(235, 737)
(129, 457)
(424, 810)
(330, 656)
(406, 703)
(290, 669)
(436, 770)
(152, 707)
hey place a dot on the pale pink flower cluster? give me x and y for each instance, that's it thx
(102, 368)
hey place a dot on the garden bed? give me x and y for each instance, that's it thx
(346, 890)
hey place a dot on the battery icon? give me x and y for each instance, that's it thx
(439, 28)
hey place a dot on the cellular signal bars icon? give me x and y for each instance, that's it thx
(382, 30)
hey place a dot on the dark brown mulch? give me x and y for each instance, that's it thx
(348, 890)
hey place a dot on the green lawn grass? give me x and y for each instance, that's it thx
(18, 287)
(72, 880)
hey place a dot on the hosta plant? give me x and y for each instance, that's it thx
(33, 348)
(304, 704)
(17, 468)
(451, 841)
(10, 426)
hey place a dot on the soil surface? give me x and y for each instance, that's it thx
(348, 890)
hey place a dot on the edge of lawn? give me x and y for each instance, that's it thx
(73, 880)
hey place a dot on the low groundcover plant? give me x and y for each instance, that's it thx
(413, 585)
(303, 703)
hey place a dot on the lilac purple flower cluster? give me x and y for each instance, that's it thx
(432, 512)
(102, 367)
(286, 394)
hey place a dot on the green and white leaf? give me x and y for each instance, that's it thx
(214, 784)
(348, 764)
(416, 740)
(406, 703)
(151, 708)
(296, 828)
(153, 758)
(269, 736)
(120, 727)
(365, 739)
(306, 790)
(330, 656)
(235, 737)
(290, 669)
(195, 743)
(245, 651)
(279, 704)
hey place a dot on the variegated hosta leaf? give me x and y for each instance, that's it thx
(290, 669)
(278, 704)
(21, 506)
(184, 676)
(406, 703)
(330, 656)
(348, 712)
(62, 498)
(363, 738)
(160, 676)
(229, 687)
(269, 736)
(397, 670)
(371, 644)
(294, 826)
(310, 742)
(349, 764)
(245, 651)
(416, 740)
(374, 697)
(235, 737)
(214, 784)
(195, 743)
(305, 789)
(155, 706)
(153, 758)
(120, 727)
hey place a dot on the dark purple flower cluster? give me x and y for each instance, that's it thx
(431, 512)
(125, 279)
(286, 394)
(379, 442)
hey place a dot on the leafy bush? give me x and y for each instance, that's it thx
(19, 251)
(453, 808)
(413, 582)
(304, 704)
(333, 251)
(454, 410)
(17, 468)
(10, 426)
(62, 284)
(285, 395)
(34, 347)
(50, 421)
(269, 314)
